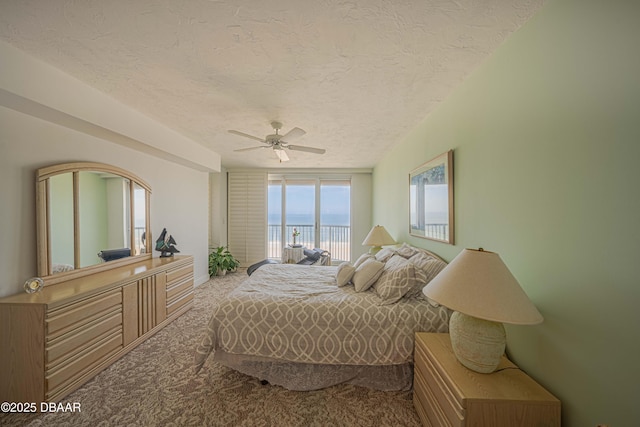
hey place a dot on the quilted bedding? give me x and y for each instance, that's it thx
(298, 314)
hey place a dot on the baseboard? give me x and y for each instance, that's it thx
(197, 281)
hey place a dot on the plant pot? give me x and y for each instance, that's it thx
(221, 272)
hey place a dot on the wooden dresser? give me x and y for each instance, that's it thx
(55, 340)
(448, 394)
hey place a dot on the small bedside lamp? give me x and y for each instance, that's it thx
(484, 294)
(377, 237)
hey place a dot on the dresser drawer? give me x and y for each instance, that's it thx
(75, 315)
(175, 304)
(438, 388)
(178, 273)
(77, 366)
(428, 406)
(179, 288)
(67, 345)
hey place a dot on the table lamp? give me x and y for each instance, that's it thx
(377, 237)
(483, 293)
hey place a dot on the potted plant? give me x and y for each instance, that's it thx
(221, 261)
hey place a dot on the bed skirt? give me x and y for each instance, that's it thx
(306, 377)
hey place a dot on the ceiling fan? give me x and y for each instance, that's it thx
(280, 142)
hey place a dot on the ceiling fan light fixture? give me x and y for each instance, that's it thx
(282, 155)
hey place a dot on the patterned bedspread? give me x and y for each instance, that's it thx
(298, 313)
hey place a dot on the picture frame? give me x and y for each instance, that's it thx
(431, 199)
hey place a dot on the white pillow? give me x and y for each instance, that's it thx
(398, 279)
(406, 250)
(362, 259)
(384, 254)
(430, 265)
(367, 274)
(427, 267)
(345, 273)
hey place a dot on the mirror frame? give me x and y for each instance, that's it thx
(43, 231)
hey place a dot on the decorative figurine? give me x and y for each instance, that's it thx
(165, 244)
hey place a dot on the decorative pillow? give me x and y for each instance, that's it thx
(421, 278)
(407, 251)
(430, 265)
(345, 273)
(312, 254)
(367, 274)
(362, 259)
(427, 267)
(397, 279)
(384, 254)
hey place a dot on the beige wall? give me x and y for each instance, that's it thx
(547, 143)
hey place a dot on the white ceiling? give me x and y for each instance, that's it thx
(357, 75)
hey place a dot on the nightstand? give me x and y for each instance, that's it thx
(448, 394)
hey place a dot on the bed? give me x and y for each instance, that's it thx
(310, 327)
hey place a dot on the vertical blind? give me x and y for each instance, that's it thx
(247, 193)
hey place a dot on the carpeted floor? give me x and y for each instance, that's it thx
(154, 385)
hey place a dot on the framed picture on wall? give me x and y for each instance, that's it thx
(431, 199)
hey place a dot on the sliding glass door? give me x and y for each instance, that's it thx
(335, 218)
(300, 209)
(317, 208)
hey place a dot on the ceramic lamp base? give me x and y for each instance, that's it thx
(478, 344)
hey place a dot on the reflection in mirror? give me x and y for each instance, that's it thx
(140, 219)
(61, 214)
(104, 208)
(89, 215)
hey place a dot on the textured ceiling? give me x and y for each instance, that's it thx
(357, 75)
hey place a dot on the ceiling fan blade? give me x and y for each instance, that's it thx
(282, 155)
(251, 148)
(246, 135)
(292, 134)
(307, 149)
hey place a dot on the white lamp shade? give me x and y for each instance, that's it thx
(479, 284)
(378, 236)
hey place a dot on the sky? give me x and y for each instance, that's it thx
(334, 203)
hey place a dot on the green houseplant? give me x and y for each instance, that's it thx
(221, 261)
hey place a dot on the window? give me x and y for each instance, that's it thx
(318, 208)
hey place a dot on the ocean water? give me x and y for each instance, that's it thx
(305, 219)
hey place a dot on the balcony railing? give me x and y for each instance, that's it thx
(138, 248)
(334, 238)
(436, 231)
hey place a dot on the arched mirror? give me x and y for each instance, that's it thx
(91, 217)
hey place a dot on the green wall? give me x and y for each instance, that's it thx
(93, 217)
(546, 139)
(61, 214)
